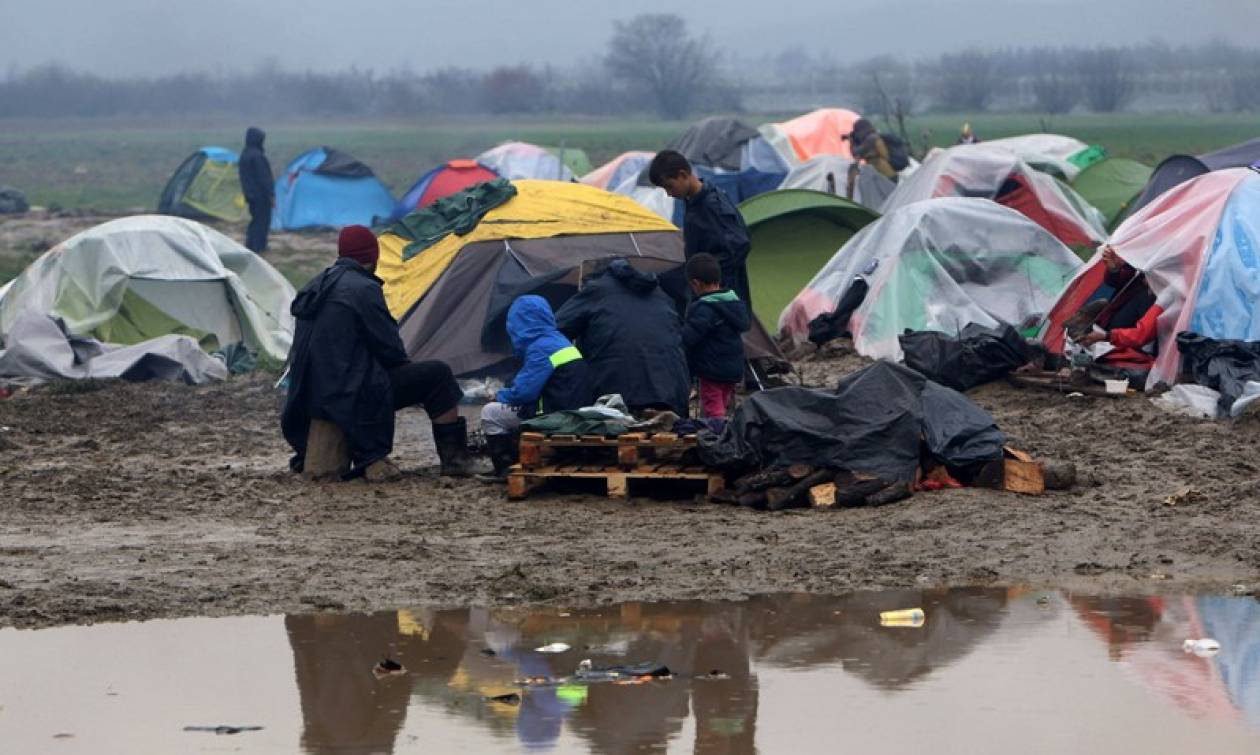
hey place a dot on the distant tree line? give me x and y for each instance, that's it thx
(655, 64)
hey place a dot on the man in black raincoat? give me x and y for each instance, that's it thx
(259, 187)
(348, 366)
(630, 334)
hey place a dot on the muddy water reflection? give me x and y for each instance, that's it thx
(991, 670)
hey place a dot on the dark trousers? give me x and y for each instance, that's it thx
(259, 225)
(428, 384)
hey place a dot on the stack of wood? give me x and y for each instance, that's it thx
(801, 485)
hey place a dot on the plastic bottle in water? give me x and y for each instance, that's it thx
(906, 617)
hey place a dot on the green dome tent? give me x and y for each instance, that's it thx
(1111, 184)
(794, 233)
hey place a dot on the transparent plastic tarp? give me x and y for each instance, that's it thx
(517, 160)
(830, 174)
(980, 170)
(938, 265)
(1051, 150)
(1198, 246)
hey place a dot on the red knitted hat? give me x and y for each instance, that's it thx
(359, 244)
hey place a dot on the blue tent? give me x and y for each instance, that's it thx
(325, 187)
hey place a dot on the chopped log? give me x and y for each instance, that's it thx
(991, 475)
(853, 490)
(1023, 477)
(778, 499)
(898, 491)
(1058, 475)
(773, 477)
(823, 496)
(754, 500)
(724, 496)
(800, 471)
(327, 451)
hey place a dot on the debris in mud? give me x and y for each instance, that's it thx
(1185, 495)
(554, 647)
(510, 698)
(323, 602)
(388, 667)
(223, 729)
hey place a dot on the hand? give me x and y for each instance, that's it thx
(1089, 339)
(1110, 258)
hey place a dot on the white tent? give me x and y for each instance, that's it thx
(138, 278)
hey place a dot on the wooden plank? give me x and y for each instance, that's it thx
(533, 437)
(618, 486)
(327, 451)
(664, 439)
(1015, 453)
(716, 484)
(562, 438)
(521, 484)
(530, 453)
(631, 437)
(823, 496)
(594, 440)
(627, 455)
(1023, 477)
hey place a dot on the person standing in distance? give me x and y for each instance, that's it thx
(259, 187)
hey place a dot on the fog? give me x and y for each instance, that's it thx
(123, 38)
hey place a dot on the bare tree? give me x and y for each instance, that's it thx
(883, 85)
(1055, 93)
(654, 52)
(966, 81)
(1106, 81)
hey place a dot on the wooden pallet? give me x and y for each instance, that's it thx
(628, 451)
(522, 481)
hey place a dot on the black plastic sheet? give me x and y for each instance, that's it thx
(1223, 366)
(976, 356)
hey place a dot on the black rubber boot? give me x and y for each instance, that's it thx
(451, 440)
(502, 450)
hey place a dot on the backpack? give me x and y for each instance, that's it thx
(898, 152)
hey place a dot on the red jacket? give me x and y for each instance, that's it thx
(1139, 335)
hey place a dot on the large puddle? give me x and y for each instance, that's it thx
(987, 671)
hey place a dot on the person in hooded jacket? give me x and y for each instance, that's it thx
(259, 187)
(553, 377)
(348, 366)
(713, 335)
(869, 147)
(630, 333)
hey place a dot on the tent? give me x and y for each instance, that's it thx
(205, 186)
(517, 160)
(617, 171)
(442, 181)
(794, 232)
(980, 170)
(325, 187)
(1196, 244)
(1177, 169)
(1060, 156)
(938, 265)
(450, 298)
(141, 277)
(732, 155)
(819, 132)
(1111, 184)
(830, 174)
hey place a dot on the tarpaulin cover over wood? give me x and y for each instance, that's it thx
(875, 421)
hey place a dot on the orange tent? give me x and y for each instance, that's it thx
(820, 132)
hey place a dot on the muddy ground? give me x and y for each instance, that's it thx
(122, 501)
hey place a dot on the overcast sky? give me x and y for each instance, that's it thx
(129, 37)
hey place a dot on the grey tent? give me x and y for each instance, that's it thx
(1178, 169)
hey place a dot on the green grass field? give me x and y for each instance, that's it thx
(122, 167)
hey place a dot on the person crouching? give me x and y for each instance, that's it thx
(712, 335)
(553, 377)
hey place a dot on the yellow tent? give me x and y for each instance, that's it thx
(540, 209)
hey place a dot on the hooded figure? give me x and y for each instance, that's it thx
(630, 333)
(259, 187)
(348, 366)
(713, 336)
(869, 147)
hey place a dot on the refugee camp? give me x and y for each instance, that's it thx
(580, 378)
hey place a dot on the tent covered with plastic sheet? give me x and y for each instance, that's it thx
(624, 167)
(522, 160)
(137, 278)
(205, 186)
(451, 297)
(327, 188)
(938, 265)
(1178, 169)
(732, 155)
(1197, 246)
(1060, 156)
(442, 181)
(1111, 185)
(820, 132)
(830, 174)
(794, 232)
(980, 170)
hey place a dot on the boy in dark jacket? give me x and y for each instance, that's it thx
(712, 223)
(713, 335)
(348, 366)
(259, 188)
(553, 376)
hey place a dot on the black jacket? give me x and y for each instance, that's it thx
(712, 335)
(257, 182)
(343, 347)
(712, 224)
(629, 332)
